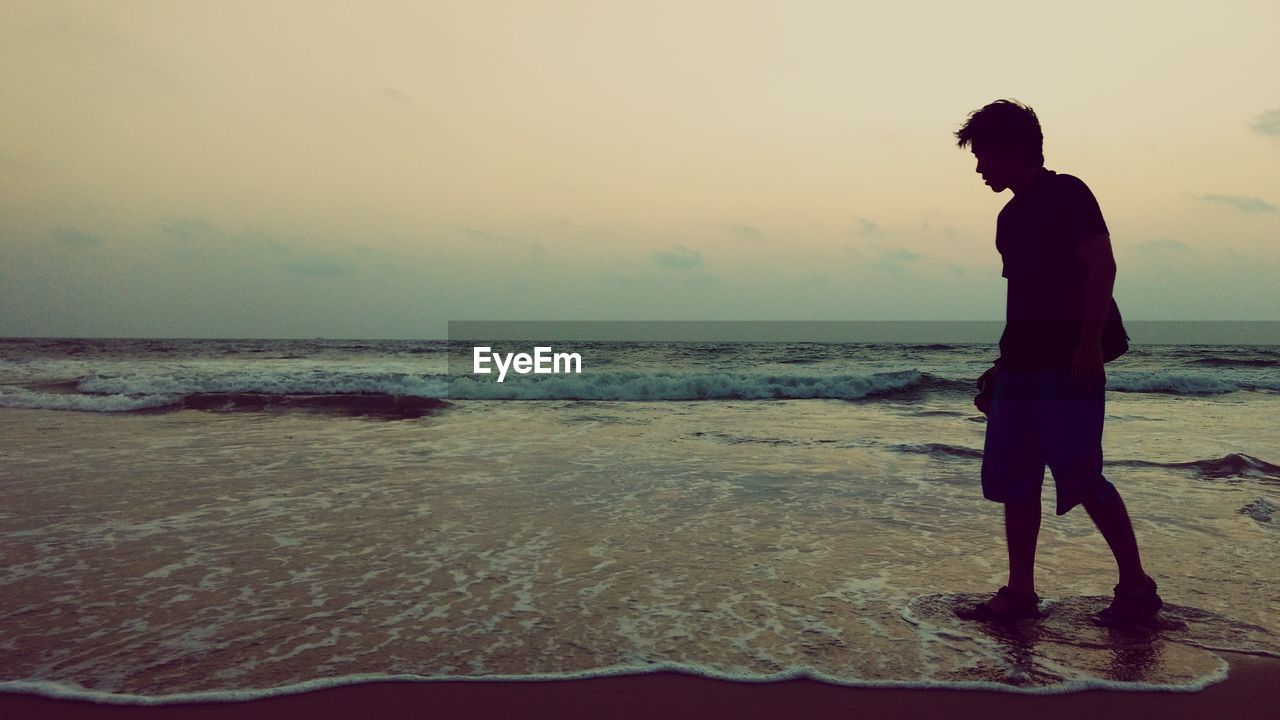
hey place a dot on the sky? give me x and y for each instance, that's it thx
(375, 170)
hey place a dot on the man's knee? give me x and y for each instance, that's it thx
(1104, 495)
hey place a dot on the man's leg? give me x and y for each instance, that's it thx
(1012, 474)
(1112, 519)
(1021, 529)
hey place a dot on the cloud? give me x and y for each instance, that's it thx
(866, 227)
(1247, 204)
(485, 236)
(188, 228)
(395, 95)
(319, 267)
(556, 224)
(74, 236)
(895, 260)
(1268, 123)
(746, 232)
(680, 258)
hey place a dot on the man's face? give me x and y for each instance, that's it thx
(998, 165)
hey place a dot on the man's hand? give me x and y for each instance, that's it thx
(1087, 370)
(986, 389)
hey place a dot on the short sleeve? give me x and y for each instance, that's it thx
(1081, 217)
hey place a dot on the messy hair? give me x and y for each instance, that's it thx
(1004, 123)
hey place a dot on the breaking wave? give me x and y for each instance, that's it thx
(1233, 465)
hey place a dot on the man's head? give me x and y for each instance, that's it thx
(1005, 137)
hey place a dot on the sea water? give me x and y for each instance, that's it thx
(190, 519)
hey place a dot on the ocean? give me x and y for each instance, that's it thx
(206, 519)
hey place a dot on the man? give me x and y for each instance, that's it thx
(1047, 389)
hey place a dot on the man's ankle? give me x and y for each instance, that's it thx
(1137, 583)
(1023, 588)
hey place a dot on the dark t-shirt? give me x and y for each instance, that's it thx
(1037, 234)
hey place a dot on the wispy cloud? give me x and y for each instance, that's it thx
(395, 95)
(319, 267)
(1247, 204)
(746, 232)
(688, 269)
(679, 258)
(895, 260)
(865, 227)
(188, 228)
(486, 236)
(75, 237)
(1268, 123)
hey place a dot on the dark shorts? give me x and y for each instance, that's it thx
(1040, 417)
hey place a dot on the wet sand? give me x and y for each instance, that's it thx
(1251, 690)
(296, 547)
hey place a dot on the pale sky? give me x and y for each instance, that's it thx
(376, 169)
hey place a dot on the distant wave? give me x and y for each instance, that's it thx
(1177, 383)
(412, 395)
(394, 406)
(603, 385)
(397, 395)
(1234, 362)
(17, 397)
(687, 386)
(255, 384)
(304, 381)
(1228, 466)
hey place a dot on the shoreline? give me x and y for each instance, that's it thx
(1250, 690)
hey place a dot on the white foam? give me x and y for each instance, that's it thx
(71, 691)
(115, 402)
(1189, 383)
(289, 380)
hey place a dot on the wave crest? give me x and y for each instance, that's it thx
(1177, 383)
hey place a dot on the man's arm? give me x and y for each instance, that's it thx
(1100, 272)
(1100, 276)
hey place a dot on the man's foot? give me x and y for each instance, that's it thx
(1131, 606)
(1006, 606)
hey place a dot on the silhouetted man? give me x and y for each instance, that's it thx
(1045, 395)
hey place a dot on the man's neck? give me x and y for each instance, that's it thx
(1026, 179)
